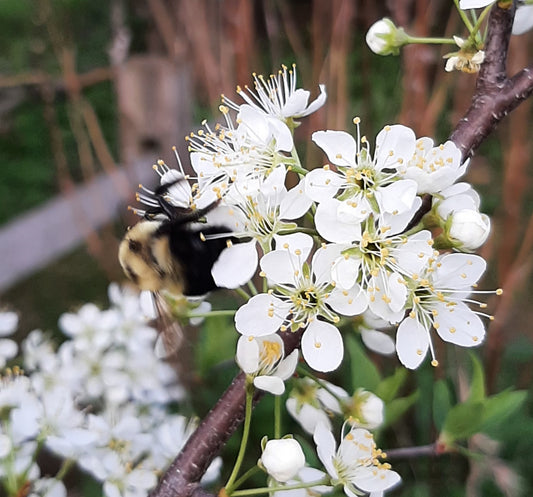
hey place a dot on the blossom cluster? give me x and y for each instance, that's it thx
(362, 247)
(101, 400)
(383, 232)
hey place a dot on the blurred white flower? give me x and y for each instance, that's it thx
(8, 348)
(283, 458)
(523, 19)
(310, 404)
(48, 487)
(306, 475)
(364, 410)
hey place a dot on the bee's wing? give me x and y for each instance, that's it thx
(170, 333)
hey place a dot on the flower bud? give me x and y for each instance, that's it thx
(384, 38)
(468, 229)
(283, 458)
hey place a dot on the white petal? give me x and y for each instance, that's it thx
(412, 343)
(295, 242)
(459, 325)
(397, 197)
(458, 271)
(236, 265)
(340, 147)
(287, 366)
(247, 355)
(322, 184)
(5, 445)
(322, 346)
(378, 341)
(412, 256)
(523, 19)
(282, 134)
(372, 479)
(8, 348)
(395, 145)
(272, 384)
(324, 262)
(325, 447)
(317, 102)
(296, 103)
(474, 4)
(8, 323)
(348, 302)
(331, 227)
(345, 272)
(255, 122)
(262, 315)
(295, 204)
(281, 267)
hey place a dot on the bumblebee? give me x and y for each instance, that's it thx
(171, 249)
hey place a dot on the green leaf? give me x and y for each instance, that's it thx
(217, 342)
(364, 372)
(477, 386)
(500, 406)
(389, 387)
(462, 421)
(442, 403)
(397, 407)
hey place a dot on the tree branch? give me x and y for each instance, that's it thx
(496, 94)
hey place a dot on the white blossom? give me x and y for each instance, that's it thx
(439, 301)
(356, 464)
(434, 168)
(301, 294)
(278, 96)
(310, 403)
(361, 184)
(8, 347)
(260, 214)
(264, 359)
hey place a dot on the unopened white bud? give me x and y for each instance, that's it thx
(469, 229)
(283, 458)
(384, 38)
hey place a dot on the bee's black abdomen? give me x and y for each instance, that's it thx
(196, 256)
